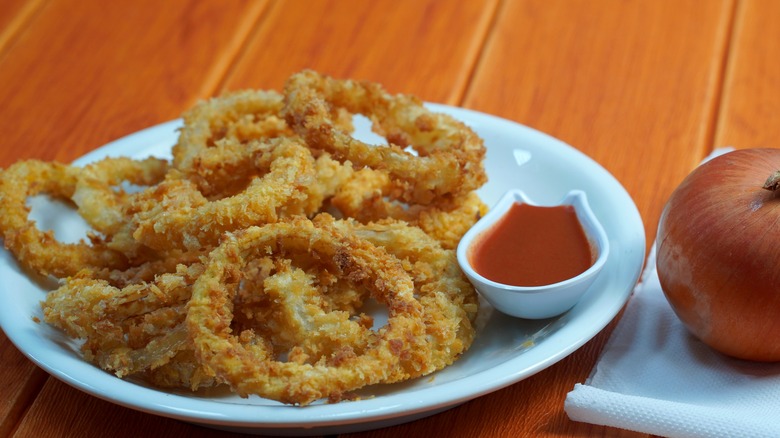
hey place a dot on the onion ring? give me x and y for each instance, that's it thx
(364, 197)
(449, 300)
(450, 154)
(130, 330)
(210, 149)
(39, 250)
(225, 266)
(178, 216)
(296, 318)
(98, 200)
(249, 368)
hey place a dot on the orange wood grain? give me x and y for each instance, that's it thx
(751, 103)
(422, 47)
(92, 80)
(20, 385)
(532, 407)
(78, 74)
(634, 85)
(61, 412)
(83, 73)
(639, 86)
(14, 16)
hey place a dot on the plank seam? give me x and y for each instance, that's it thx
(488, 36)
(31, 390)
(11, 33)
(725, 73)
(244, 47)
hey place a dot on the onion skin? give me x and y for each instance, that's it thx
(718, 254)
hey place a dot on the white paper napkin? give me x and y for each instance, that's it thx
(654, 377)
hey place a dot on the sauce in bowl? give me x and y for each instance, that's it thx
(532, 246)
(534, 261)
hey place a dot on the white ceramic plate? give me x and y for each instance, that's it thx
(506, 350)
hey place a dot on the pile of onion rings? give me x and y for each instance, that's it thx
(256, 258)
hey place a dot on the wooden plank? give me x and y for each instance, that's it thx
(561, 67)
(442, 74)
(556, 71)
(21, 380)
(143, 70)
(422, 47)
(72, 82)
(750, 105)
(20, 384)
(75, 78)
(85, 416)
(14, 16)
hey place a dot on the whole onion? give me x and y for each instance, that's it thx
(718, 253)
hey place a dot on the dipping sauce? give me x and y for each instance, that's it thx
(532, 246)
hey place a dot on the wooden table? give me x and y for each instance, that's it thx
(645, 87)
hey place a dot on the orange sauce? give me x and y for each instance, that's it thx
(532, 246)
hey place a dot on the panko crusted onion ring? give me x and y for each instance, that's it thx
(176, 215)
(250, 368)
(102, 199)
(39, 250)
(131, 330)
(99, 195)
(292, 313)
(449, 300)
(210, 149)
(449, 154)
(237, 115)
(365, 197)
(226, 265)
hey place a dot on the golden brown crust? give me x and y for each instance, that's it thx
(226, 267)
(448, 159)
